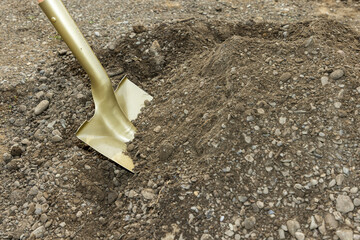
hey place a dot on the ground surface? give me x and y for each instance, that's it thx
(252, 133)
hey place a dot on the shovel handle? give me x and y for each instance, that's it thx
(70, 33)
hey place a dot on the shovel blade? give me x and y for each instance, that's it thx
(103, 139)
(131, 98)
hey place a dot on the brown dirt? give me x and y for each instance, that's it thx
(223, 154)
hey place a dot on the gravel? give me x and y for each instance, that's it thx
(270, 152)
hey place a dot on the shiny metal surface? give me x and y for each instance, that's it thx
(110, 127)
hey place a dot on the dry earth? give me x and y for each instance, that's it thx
(252, 133)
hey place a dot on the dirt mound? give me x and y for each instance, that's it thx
(258, 111)
(249, 124)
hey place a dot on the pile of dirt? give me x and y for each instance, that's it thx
(250, 126)
(241, 111)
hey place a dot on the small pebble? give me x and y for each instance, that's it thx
(41, 107)
(337, 74)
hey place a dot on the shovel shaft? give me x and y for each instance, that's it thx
(70, 33)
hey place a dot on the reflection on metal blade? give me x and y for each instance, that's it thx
(131, 98)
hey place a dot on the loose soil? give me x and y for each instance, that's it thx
(248, 129)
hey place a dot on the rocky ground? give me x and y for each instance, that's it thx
(252, 133)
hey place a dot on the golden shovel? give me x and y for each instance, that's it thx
(110, 127)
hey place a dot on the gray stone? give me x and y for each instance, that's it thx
(229, 233)
(42, 106)
(7, 157)
(313, 224)
(38, 233)
(299, 236)
(56, 138)
(38, 209)
(339, 179)
(148, 193)
(324, 80)
(354, 190)
(285, 76)
(344, 204)
(206, 236)
(357, 202)
(281, 234)
(330, 221)
(43, 218)
(293, 226)
(22, 108)
(345, 234)
(249, 223)
(34, 190)
(79, 214)
(31, 209)
(112, 196)
(332, 183)
(309, 42)
(337, 74)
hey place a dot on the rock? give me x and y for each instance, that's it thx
(33, 191)
(168, 236)
(282, 120)
(38, 233)
(357, 202)
(38, 209)
(299, 236)
(139, 28)
(229, 233)
(337, 74)
(155, 47)
(206, 236)
(16, 151)
(79, 214)
(285, 76)
(249, 223)
(281, 234)
(157, 129)
(337, 105)
(354, 190)
(112, 196)
(22, 108)
(313, 224)
(31, 209)
(324, 81)
(148, 193)
(344, 204)
(332, 183)
(293, 226)
(56, 138)
(345, 234)
(41, 107)
(165, 151)
(356, 236)
(43, 218)
(38, 135)
(309, 42)
(39, 95)
(330, 221)
(339, 179)
(14, 165)
(62, 52)
(7, 157)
